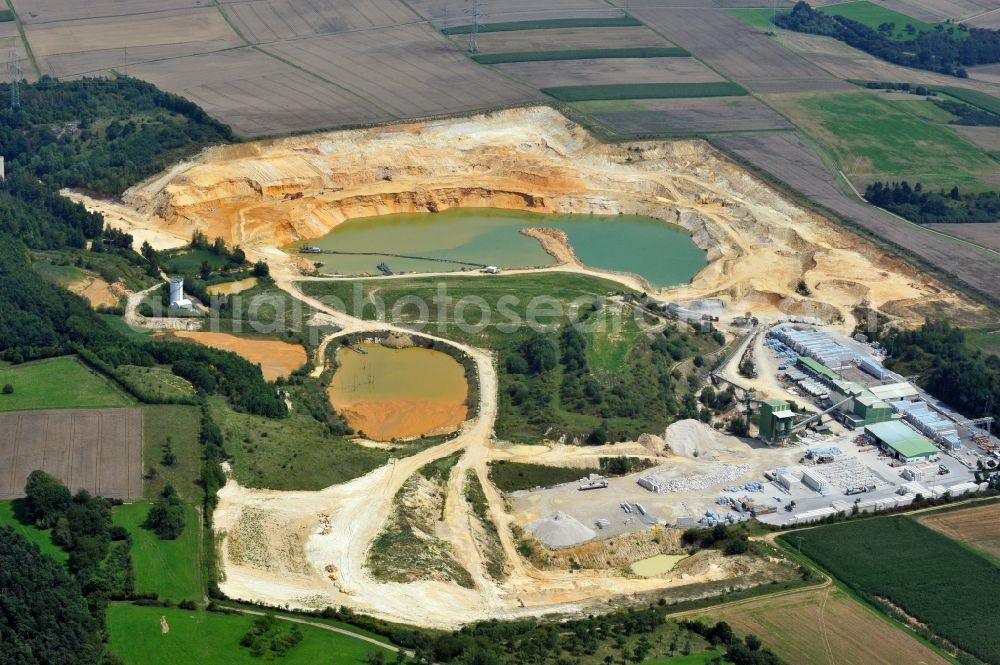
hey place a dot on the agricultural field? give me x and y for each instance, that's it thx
(420, 73)
(872, 15)
(977, 527)
(192, 637)
(175, 428)
(604, 71)
(577, 93)
(932, 578)
(743, 56)
(266, 21)
(825, 626)
(787, 158)
(873, 138)
(40, 537)
(580, 54)
(986, 234)
(169, 568)
(99, 450)
(85, 45)
(565, 39)
(687, 115)
(58, 383)
(593, 21)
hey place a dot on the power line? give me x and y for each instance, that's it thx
(476, 14)
(14, 69)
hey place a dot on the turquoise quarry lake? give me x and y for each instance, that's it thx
(661, 253)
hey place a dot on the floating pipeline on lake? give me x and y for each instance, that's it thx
(661, 253)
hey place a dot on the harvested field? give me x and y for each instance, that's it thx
(954, 9)
(718, 114)
(419, 72)
(445, 13)
(566, 38)
(989, 20)
(276, 358)
(744, 55)
(581, 54)
(978, 527)
(988, 73)
(47, 11)
(262, 21)
(825, 627)
(787, 158)
(985, 234)
(148, 36)
(257, 94)
(602, 71)
(98, 450)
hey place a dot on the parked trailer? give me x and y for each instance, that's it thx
(594, 485)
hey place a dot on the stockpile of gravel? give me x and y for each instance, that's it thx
(560, 530)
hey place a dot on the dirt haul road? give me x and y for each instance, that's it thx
(308, 549)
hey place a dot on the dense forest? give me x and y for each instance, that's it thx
(102, 135)
(938, 50)
(940, 207)
(41, 628)
(966, 379)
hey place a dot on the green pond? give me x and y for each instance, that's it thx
(661, 253)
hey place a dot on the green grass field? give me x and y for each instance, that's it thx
(872, 15)
(756, 16)
(41, 537)
(578, 93)
(159, 382)
(701, 658)
(117, 324)
(58, 383)
(188, 261)
(182, 424)
(197, 638)
(560, 288)
(60, 275)
(874, 138)
(291, 453)
(169, 568)
(547, 24)
(581, 54)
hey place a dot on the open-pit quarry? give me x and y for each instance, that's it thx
(310, 549)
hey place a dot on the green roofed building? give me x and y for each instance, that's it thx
(817, 368)
(776, 420)
(902, 442)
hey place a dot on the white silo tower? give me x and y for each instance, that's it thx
(177, 298)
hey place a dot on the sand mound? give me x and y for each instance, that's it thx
(560, 530)
(693, 438)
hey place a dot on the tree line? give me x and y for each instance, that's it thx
(935, 50)
(930, 207)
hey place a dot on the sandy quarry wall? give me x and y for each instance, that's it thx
(266, 194)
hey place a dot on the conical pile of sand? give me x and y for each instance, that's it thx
(693, 438)
(560, 530)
